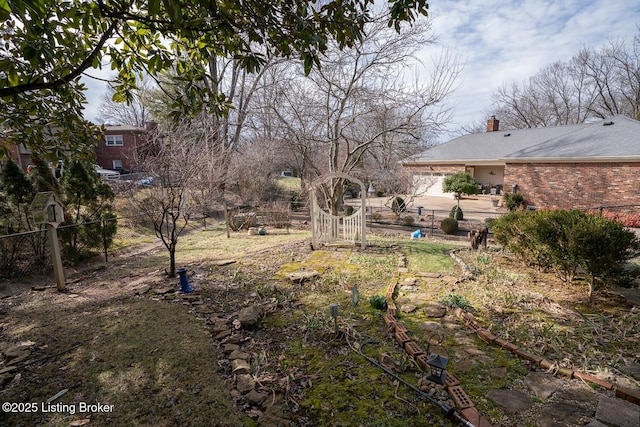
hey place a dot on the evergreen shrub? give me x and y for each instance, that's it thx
(513, 201)
(449, 225)
(563, 240)
(456, 213)
(398, 205)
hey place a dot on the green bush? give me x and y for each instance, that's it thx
(456, 213)
(488, 222)
(459, 183)
(565, 240)
(603, 248)
(398, 205)
(513, 201)
(408, 220)
(539, 238)
(378, 302)
(449, 225)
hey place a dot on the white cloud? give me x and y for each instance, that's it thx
(95, 90)
(502, 42)
(94, 80)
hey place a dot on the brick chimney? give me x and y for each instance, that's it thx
(493, 124)
(150, 125)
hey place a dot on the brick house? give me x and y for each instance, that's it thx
(116, 152)
(576, 166)
(121, 143)
(21, 155)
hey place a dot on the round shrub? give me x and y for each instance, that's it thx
(565, 240)
(408, 220)
(456, 213)
(513, 201)
(449, 225)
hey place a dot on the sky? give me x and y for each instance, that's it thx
(500, 42)
(505, 41)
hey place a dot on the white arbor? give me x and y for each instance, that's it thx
(329, 228)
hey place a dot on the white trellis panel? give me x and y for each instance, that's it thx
(327, 228)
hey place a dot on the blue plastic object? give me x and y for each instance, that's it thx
(184, 281)
(417, 234)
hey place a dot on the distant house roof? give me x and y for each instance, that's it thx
(123, 128)
(612, 139)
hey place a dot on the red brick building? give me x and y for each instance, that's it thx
(116, 152)
(121, 144)
(577, 166)
(21, 155)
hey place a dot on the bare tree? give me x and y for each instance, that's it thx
(251, 177)
(184, 175)
(276, 127)
(134, 113)
(594, 83)
(360, 101)
(614, 73)
(229, 89)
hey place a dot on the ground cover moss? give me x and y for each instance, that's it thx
(425, 256)
(346, 388)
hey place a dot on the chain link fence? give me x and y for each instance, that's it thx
(28, 253)
(24, 254)
(627, 215)
(427, 220)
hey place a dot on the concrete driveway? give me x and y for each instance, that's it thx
(477, 207)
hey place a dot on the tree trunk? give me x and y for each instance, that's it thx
(172, 261)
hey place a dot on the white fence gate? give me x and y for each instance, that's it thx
(328, 228)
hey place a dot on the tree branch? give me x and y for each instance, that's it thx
(84, 65)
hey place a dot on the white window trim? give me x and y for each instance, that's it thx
(116, 140)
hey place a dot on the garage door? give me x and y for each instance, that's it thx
(429, 184)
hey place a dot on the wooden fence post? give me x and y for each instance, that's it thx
(56, 259)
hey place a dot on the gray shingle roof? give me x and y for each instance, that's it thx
(618, 137)
(122, 128)
(590, 141)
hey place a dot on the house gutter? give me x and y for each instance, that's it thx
(620, 159)
(466, 162)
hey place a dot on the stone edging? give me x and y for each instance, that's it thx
(457, 394)
(486, 335)
(549, 365)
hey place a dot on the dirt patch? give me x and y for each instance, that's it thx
(141, 359)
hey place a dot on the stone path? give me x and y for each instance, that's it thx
(548, 400)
